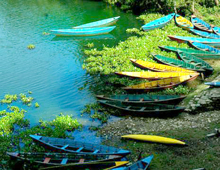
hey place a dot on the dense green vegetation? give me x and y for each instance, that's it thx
(164, 6)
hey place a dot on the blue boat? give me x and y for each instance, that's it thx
(216, 30)
(204, 47)
(213, 84)
(200, 24)
(207, 41)
(100, 23)
(143, 164)
(83, 31)
(158, 23)
(205, 34)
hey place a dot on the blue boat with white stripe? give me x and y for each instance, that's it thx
(158, 23)
(82, 31)
(205, 34)
(100, 23)
(204, 47)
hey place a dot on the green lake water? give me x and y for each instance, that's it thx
(53, 70)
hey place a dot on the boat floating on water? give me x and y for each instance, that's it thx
(100, 23)
(83, 31)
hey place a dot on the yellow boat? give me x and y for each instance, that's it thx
(161, 84)
(155, 75)
(158, 67)
(183, 22)
(153, 138)
(118, 164)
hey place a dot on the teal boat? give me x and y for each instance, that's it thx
(82, 31)
(142, 164)
(216, 30)
(147, 110)
(200, 24)
(136, 99)
(77, 147)
(204, 47)
(205, 34)
(100, 23)
(176, 62)
(188, 58)
(207, 41)
(213, 84)
(197, 53)
(158, 23)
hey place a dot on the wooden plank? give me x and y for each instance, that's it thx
(47, 160)
(78, 150)
(96, 151)
(64, 147)
(64, 161)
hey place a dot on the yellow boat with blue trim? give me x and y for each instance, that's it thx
(158, 67)
(156, 139)
(183, 22)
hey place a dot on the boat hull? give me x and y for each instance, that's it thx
(143, 99)
(60, 145)
(183, 22)
(204, 47)
(205, 34)
(158, 23)
(200, 24)
(156, 139)
(213, 84)
(83, 31)
(101, 23)
(206, 41)
(161, 84)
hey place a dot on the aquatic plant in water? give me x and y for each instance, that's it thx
(31, 46)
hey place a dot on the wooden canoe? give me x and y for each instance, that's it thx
(143, 98)
(216, 30)
(200, 24)
(155, 75)
(77, 147)
(176, 62)
(183, 22)
(158, 23)
(158, 67)
(58, 159)
(205, 34)
(161, 84)
(91, 166)
(142, 164)
(191, 59)
(83, 31)
(213, 84)
(148, 110)
(197, 53)
(100, 23)
(204, 47)
(154, 138)
(206, 41)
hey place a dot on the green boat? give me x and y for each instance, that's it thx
(197, 53)
(176, 62)
(188, 58)
(148, 110)
(137, 99)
